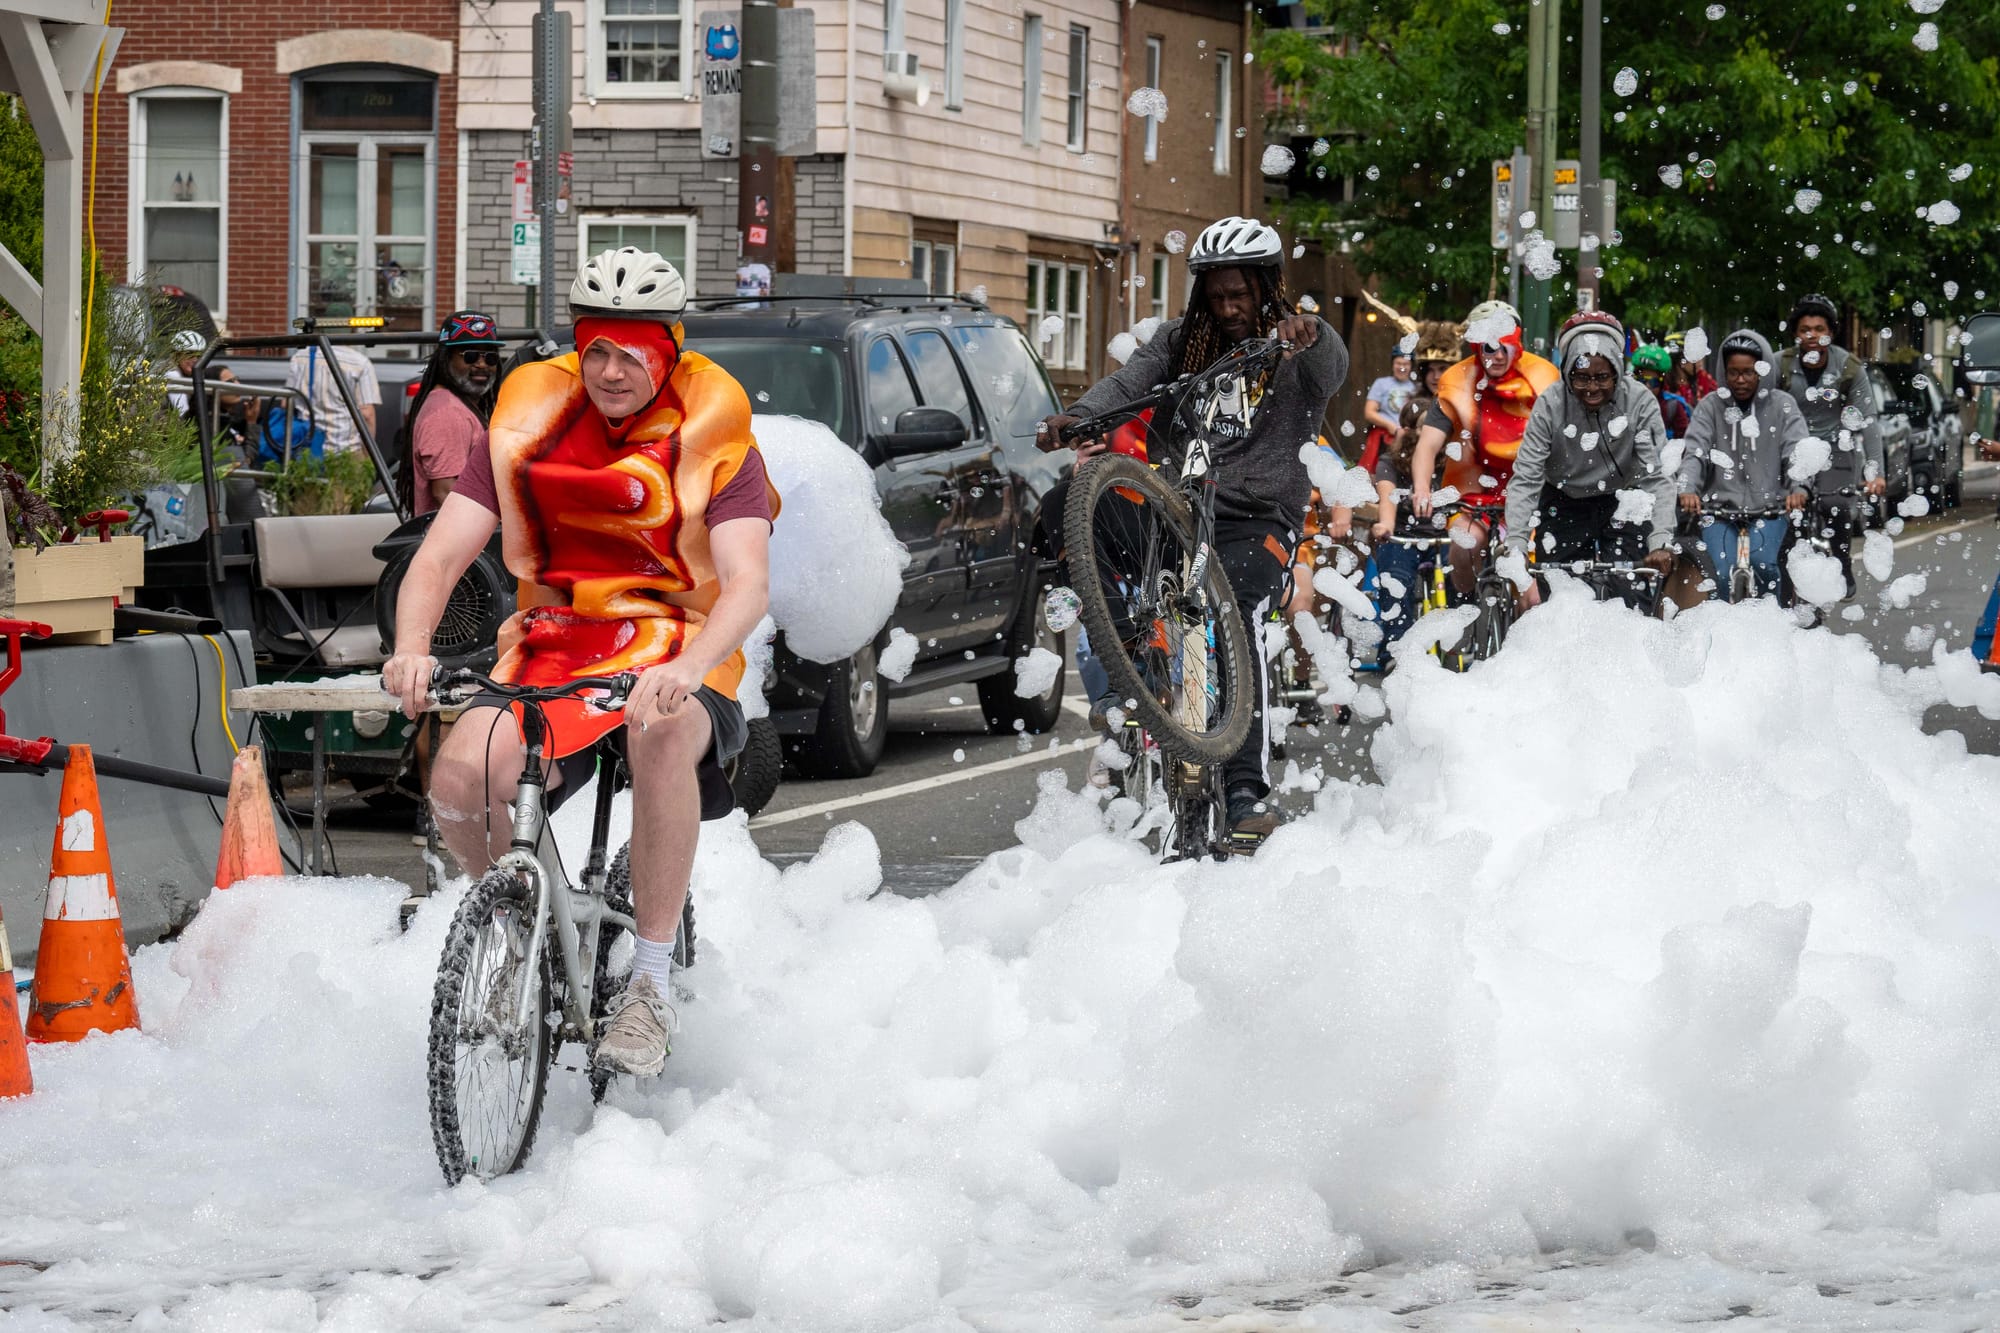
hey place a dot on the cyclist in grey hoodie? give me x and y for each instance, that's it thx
(1829, 385)
(1590, 460)
(1739, 456)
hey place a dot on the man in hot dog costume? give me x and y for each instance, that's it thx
(1477, 422)
(635, 511)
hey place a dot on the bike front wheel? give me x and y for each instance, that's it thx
(490, 1041)
(1160, 613)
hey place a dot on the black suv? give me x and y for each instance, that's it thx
(941, 396)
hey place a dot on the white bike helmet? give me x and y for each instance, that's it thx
(1486, 310)
(1236, 243)
(630, 282)
(189, 342)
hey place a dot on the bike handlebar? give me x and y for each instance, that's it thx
(1252, 353)
(452, 687)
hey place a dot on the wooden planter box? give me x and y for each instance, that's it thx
(73, 588)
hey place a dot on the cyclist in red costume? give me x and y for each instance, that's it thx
(1477, 422)
(635, 511)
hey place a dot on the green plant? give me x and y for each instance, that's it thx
(339, 483)
(122, 430)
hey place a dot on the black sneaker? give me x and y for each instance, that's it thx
(1309, 713)
(1253, 817)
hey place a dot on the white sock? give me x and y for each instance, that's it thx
(654, 958)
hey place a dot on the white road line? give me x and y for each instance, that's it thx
(1040, 756)
(1935, 533)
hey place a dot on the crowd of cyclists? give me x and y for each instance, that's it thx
(1654, 458)
(1620, 453)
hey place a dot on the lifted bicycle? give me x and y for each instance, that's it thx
(527, 961)
(1157, 605)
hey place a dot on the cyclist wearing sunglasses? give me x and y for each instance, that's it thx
(452, 406)
(1592, 441)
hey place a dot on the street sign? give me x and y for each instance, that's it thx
(1502, 220)
(527, 269)
(524, 191)
(1565, 205)
(720, 78)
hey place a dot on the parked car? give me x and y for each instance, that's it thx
(1937, 441)
(1893, 417)
(941, 396)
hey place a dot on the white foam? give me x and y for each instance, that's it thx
(1517, 998)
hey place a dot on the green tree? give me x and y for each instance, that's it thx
(1781, 98)
(20, 186)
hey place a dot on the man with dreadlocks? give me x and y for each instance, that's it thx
(1262, 487)
(447, 422)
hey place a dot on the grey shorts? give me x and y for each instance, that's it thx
(729, 733)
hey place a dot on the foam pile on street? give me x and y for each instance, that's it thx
(836, 566)
(1682, 929)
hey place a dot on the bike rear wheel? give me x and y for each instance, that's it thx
(488, 1065)
(1169, 635)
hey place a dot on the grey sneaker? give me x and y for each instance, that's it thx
(636, 1030)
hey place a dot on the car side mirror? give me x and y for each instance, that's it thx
(1979, 349)
(924, 430)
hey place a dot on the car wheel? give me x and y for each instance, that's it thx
(755, 772)
(853, 725)
(1007, 711)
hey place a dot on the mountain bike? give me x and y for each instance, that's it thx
(1742, 582)
(1492, 592)
(1152, 592)
(528, 959)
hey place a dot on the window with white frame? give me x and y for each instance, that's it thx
(1225, 74)
(1155, 57)
(954, 55)
(934, 264)
(1060, 290)
(1079, 86)
(1162, 274)
(1031, 79)
(639, 48)
(671, 237)
(180, 192)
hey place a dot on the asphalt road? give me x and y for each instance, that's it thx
(948, 794)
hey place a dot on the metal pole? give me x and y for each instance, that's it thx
(1590, 217)
(757, 147)
(1544, 147)
(548, 115)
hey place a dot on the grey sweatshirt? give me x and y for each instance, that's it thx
(1575, 450)
(1739, 457)
(1823, 404)
(1259, 476)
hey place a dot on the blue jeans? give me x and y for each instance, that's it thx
(1096, 681)
(1767, 542)
(1398, 611)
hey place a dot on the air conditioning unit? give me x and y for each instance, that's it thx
(903, 77)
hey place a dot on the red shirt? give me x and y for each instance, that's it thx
(446, 434)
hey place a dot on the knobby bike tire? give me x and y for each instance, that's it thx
(606, 983)
(461, 949)
(1092, 483)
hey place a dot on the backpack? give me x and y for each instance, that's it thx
(274, 443)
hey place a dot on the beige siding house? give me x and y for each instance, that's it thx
(1005, 178)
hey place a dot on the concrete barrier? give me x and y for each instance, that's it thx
(155, 699)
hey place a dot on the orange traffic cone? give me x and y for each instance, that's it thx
(249, 832)
(83, 976)
(15, 1080)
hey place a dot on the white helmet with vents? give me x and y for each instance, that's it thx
(190, 342)
(1236, 243)
(631, 282)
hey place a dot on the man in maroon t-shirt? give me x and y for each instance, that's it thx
(453, 405)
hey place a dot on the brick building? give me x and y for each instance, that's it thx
(1187, 168)
(283, 160)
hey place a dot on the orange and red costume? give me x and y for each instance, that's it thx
(604, 525)
(1488, 420)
